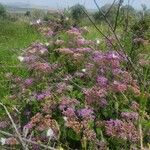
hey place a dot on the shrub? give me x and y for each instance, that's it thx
(77, 12)
(2, 11)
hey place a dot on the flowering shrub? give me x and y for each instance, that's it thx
(77, 96)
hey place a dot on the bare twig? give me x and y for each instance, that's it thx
(103, 34)
(110, 8)
(117, 15)
(28, 141)
(120, 44)
(141, 136)
(15, 128)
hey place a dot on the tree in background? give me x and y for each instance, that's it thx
(77, 13)
(2, 11)
(116, 12)
(28, 13)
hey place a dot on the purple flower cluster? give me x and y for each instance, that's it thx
(119, 87)
(66, 102)
(50, 33)
(95, 95)
(102, 81)
(74, 32)
(86, 113)
(122, 130)
(37, 49)
(29, 81)
(43, 67)
(130, 116)
(43, 95)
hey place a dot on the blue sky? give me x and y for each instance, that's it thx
(65, 3)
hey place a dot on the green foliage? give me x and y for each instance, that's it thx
(28, 13)
(13, 37)
(77, 12)
(110, 13)
(140, 27)
(2, 11)
(37, 14)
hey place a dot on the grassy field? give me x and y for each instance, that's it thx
(14, 36)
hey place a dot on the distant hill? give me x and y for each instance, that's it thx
(22, 7)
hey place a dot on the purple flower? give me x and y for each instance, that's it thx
(28, 82)
(98, 57)
(67, 103)
(50, 33)
(112, 55)
(117, 71)
(93, 95)
(134, 106)
(122, 130)
(86, 113)
(102, 81)
(3, 124)
(69, 112)
(119, 87)
(43, 95)
(132, 116)
(29, 126)
(40, 96)
(29, 59)
(84, 50)
(103, 102)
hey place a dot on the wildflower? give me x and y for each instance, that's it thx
(65, 51)
(78, 56)
(119, 87)
(79, 74)
(28, 82)
(62, 87)
(74, 32)
(94, 95)
(50, 33)
(103, 102)
(102, 81)
(131, 116)
(97, 41)
(30, 59)
(122, 130)
(28, 126)
(134, 106)
(43, 67)
(38, 21)
(69, 112)
(66, 102)
(43, 95)
(50, 133)
(21, 59)
(98, 57)
(75, 125)
(86, 113)
(81, 41)
(84, 50)
(59, 42)
(83, 70)
(65, 118)
(11, 141)
(3, 124)
(47, 44)
(3, 141)
(89, 134)
(112, 55)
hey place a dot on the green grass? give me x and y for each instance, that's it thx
(14, 36)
